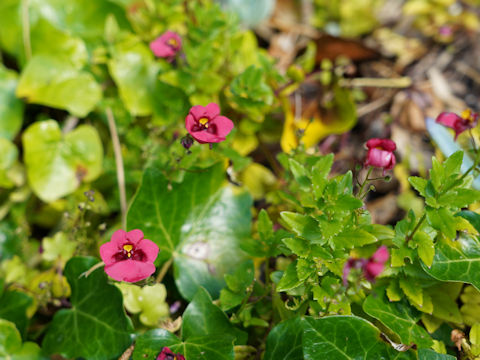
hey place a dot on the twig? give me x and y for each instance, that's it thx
(128, 353)
(117, 149)
(26, 30)
(92, 269)
(70, 124)
(402, 82)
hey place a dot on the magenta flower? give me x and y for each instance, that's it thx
(167, 354)
(167, 45)
(467, 120)
(380, 153)
(128, 256)
(206, 125)
(371, 267)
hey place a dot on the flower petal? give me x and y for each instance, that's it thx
(197, 111)
(383, 144)
(134, 236)
(224, 125)
(149, 248)
(372, 270)
(212, 110)
(448, 119)
(160, 49)
(380, 158)
(206, 137)
(119, 237)
(108, 251)
(381, 255)
(189, 123)
(130, 270)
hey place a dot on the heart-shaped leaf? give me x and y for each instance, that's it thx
(284, 342)
(56, 163)
(199, 222)
(13, 307)
(57, 83)
(96, 327)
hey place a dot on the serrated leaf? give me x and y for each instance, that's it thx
(59, 84)
(237, 285)
(264, 226)
(457, 260)
(97, 308)
(57, 164)
(299, 173)
(350, 238)
(453, 163)
(320, 171)
(418, 184)
(347, 202)
(437, 174)
(425, 247)
(199, 222)
(289, 279)
(442, 220)
(297, 245)
(398, 317)
(304, 226)
(412, 289)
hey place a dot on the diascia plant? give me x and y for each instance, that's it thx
(123, 235)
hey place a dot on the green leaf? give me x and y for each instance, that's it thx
(399, 317)
(237, 284)
(345, 338)
(10, 243)
(11, 108)
(300, 174)
(425, 247)
(11, 347)
(151, 343)
(297, 245)
(13, 307)
(453, 163)
(442, 220)
(289, 279)
(457, 260)
(472, 217)
(97, 308)
(52, 82)
(320, 171)
(199, 222)
(350, 238)
(347, 202)
(56, 163)
(265, 226)
(58, 247)
(445, 306)
(437, 174)
(284, 342)
(428, 354)
(304, 226)
(202, 318)
(418, 184)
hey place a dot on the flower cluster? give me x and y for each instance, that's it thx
(371, 267)
(467, 120)
(167, 354)
(128, 256)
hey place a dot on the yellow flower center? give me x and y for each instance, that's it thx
(128, 248)
(467, 114)
(172, 42)
(204, 121)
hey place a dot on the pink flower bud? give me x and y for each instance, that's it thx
(380, 153)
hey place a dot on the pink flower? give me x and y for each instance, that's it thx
(206, 125)
(128, 256)
(167, 354)
(380, 153)
(371, 267)
(167, 45)
(467, 120)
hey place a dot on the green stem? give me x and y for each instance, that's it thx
(420, 222)
(359, 194)
(164, 269)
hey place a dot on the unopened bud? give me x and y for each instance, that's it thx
(187, 142)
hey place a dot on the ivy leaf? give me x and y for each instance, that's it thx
(399, 317)
(199, 222)
(13, 307)
(202, 318)
(56, 163)
(11, 108)
(57, 83)
(284, 342)
(151, 343)
(96, 317)
(346, 338)
(457, 260)
(428, 354)
(11, 346)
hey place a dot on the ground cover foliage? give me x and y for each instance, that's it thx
(284, 237)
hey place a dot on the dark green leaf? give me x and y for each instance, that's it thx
(284, 342)
(13, 307)
(96, 327)
(150, 344)
(11, 108)
(428, 354)
(199, 222)
(472, 217)
(237, 285)
(399, 317)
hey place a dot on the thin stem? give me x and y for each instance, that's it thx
(27, 44)
(117, 149)
(92, 269)
(420, 222)
(164, 269)
(370, 169)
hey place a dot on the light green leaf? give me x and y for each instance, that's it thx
(304, 226)
(57, 83)
(58, 246)
(11, 347)
(425, 247)
(199, 222)
(13, 307)
(457, 260)
(399, 317)
(442, 220)
(237, 284)
(97, 308)
(56, 163)
(11, 108)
